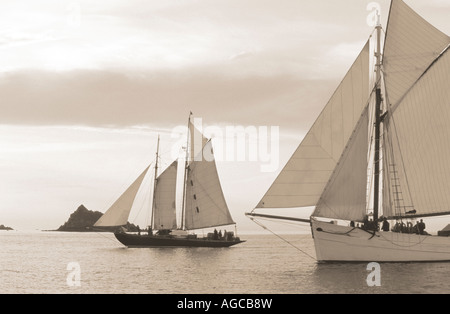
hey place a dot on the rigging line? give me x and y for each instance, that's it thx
(265, 228)
(391, 160)
(100, 234)
(163, 155)
(402, 161)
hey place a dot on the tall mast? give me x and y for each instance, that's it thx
(378, 121)
(186, 169)
(154, 185)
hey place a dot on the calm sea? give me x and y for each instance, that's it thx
(65, 263)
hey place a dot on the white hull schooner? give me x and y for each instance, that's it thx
(336, 243)
(204, 204)
(378, 152)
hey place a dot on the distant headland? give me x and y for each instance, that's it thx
(3, 227)
(83, 220)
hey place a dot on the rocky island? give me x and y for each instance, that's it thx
(83, 220)
(3, 227)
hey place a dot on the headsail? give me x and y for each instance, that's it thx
(302, 180)
(205, 202)
(344, 197)
(117, 214)
(164, 210)
(411, 45)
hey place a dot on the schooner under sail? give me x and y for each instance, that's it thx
(406, 112)
(204, 204)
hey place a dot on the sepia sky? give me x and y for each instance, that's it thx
(86, 87)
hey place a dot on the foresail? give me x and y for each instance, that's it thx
(302, 180)
(117, 214)
(411, 45)
(418, 146)
(205, 202)
(344, 197)
(164, 210)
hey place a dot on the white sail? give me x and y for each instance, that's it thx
(411, 45)
(117, 214)
(419, 144)
(302, 180)
(164, 210)
(205, 202)
(345, 194)
(197, 142)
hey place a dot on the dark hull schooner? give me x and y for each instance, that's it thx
(204, 205)
(134, 240)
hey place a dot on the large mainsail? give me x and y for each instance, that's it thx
(117, 214)
(205, 203)
(303, 179)
(164, 210)
(418, 145)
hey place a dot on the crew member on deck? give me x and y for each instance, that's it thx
(385, 226)
(421, 226)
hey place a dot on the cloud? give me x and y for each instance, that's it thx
(151, 62)
(102, 98)
(154, 35)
